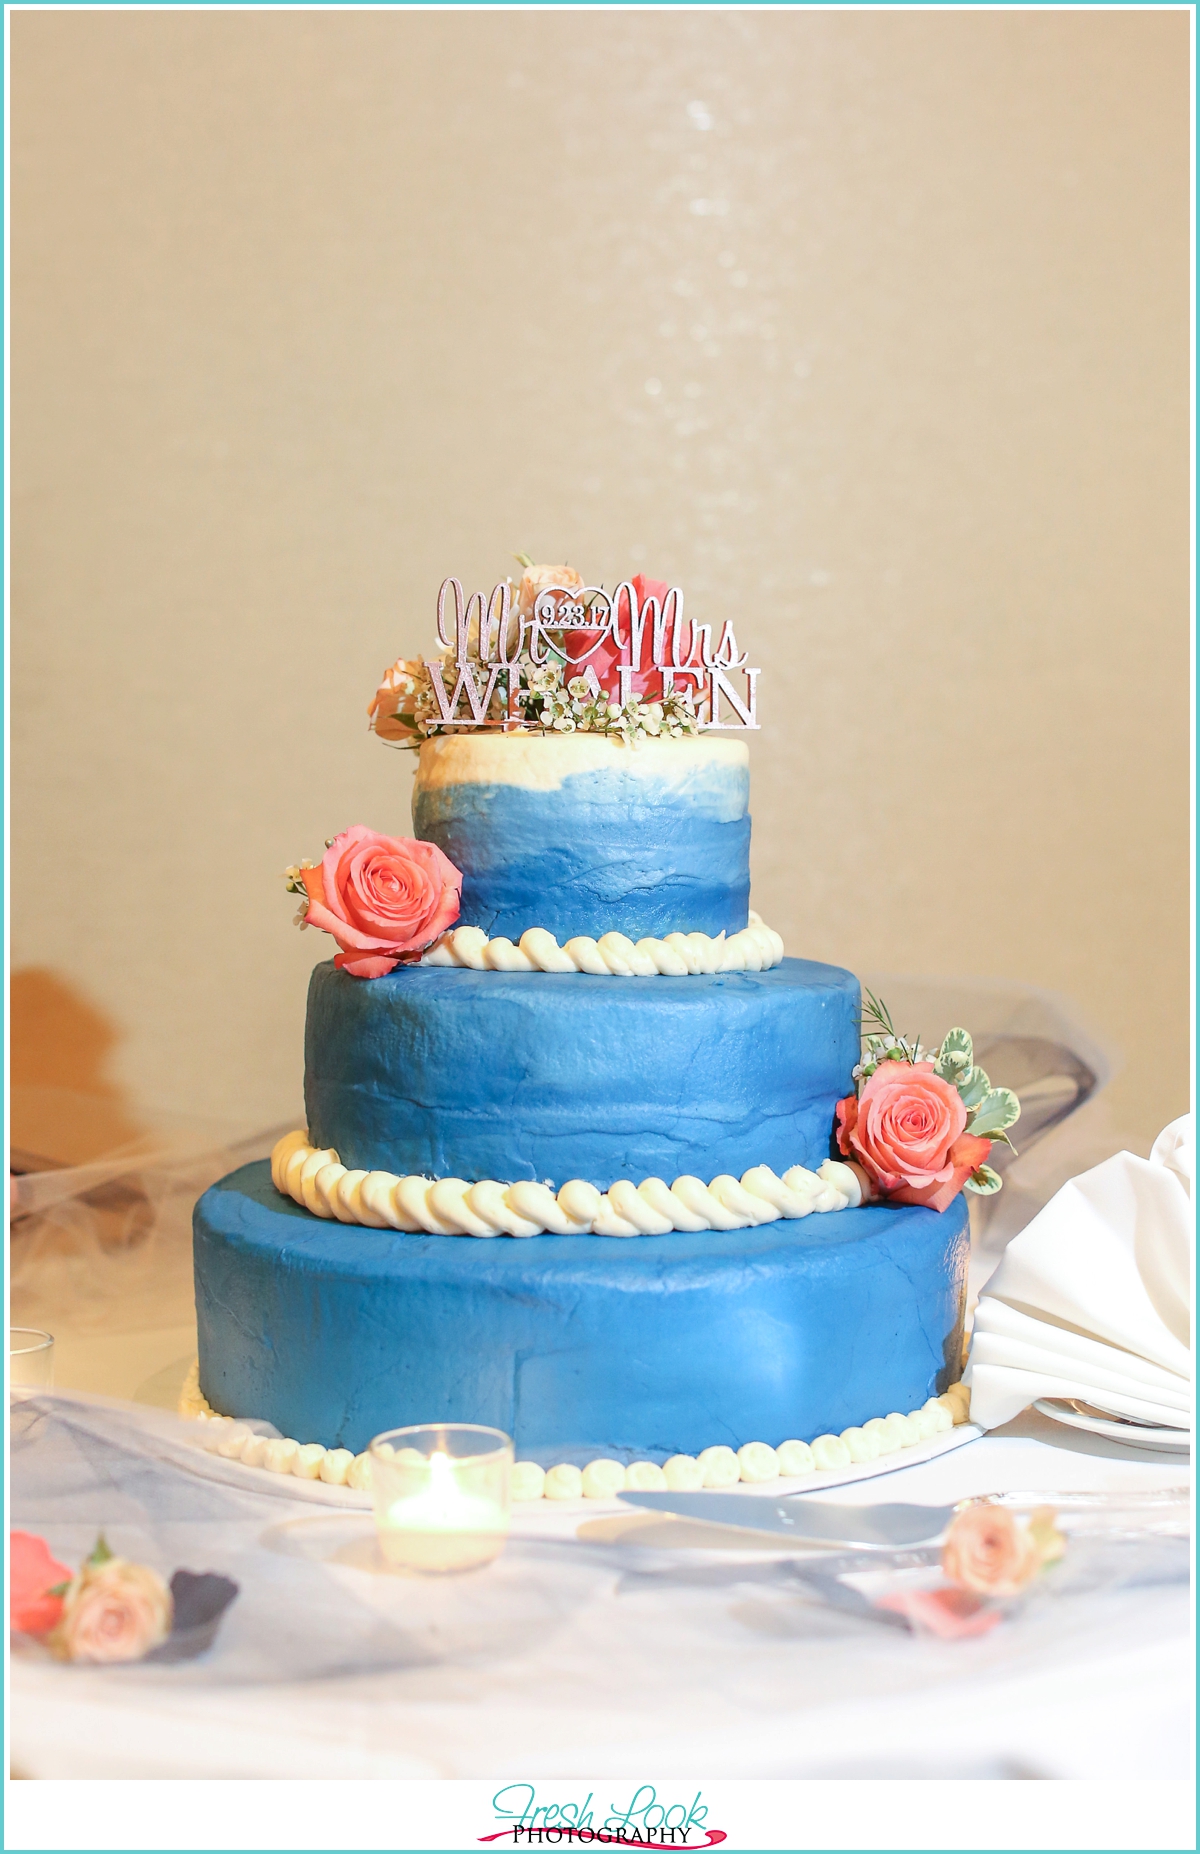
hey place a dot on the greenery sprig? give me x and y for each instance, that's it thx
(556, 706)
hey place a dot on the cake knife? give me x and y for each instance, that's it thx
(806, 1522)
(898, 1526)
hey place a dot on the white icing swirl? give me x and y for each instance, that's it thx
(757, 1461)
(754, 1462)
(316, 1178)
(755, 949)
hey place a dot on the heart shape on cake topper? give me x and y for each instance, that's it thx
(585, 613)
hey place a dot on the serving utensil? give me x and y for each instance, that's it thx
(824, 1525)
(885, 1527)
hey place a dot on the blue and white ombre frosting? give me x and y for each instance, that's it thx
(583, 834)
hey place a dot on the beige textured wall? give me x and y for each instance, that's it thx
(870, 329)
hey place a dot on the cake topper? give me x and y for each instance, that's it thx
(557, 656)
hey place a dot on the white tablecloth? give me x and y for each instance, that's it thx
(601, 1643)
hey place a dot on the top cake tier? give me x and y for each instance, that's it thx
(583, 834)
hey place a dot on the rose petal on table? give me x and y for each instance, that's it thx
(947, 1613)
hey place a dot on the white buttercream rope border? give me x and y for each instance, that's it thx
(315, 1178)
(755, 1462)
(755, 949)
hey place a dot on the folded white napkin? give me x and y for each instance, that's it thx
(1093, 1300)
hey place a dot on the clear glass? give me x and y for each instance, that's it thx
(441, 1495)
(30, 1358)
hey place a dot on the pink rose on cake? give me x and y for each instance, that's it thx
(401, 702)
(608, 656)
(535, 580)
(907, 1130)
(384, 899)
(921, 1123)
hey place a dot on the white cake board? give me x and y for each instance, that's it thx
(539, 1518)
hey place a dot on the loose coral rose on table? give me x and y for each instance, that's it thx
(36, 1584)
(111, 1610)
(383, 899)
(988, 1557)
(989, 1551)
(108, 1610)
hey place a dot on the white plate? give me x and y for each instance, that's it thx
(1134, 1435)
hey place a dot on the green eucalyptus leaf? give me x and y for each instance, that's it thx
(984, 1181)
(973, 1085)
(59, 1590)
(100, 1553)
(999, 1109)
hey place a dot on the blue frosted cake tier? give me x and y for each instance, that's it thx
(584, 835)
(452, 1073)
(574, 1345)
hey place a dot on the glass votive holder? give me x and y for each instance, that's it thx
(441, 1495)
(30, 1358)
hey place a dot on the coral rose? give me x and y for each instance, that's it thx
(908, 1131)
(947, 1613)
(113, 1611)
(606, 658)
(392, 710)
(535, 579)
(381, 898)
(34, 1573)
(987, 1551)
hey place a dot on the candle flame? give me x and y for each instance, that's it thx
(446, 1517)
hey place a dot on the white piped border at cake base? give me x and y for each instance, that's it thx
(315, 1178)
(756, 948)
(755, 1463)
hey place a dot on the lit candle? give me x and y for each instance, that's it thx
(441, 1501)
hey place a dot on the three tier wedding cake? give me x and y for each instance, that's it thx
(587, 1158)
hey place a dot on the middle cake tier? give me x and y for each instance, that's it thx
(452, 1073)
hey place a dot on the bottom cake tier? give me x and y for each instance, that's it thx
(574, 1344)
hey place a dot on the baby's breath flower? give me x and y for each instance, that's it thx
(293, 877)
